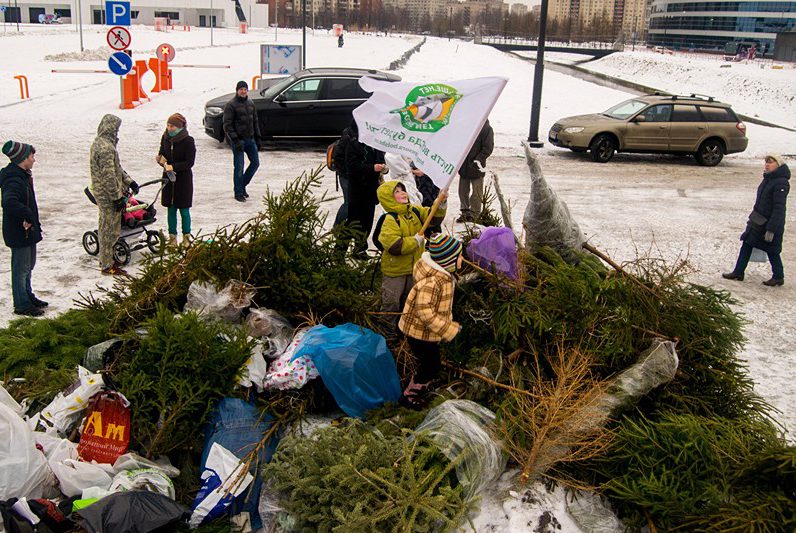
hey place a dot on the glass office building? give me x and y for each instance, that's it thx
(712, 25)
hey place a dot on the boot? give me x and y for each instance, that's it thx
(172, 240)
(187, 239)
(732, 275)
(774, 282)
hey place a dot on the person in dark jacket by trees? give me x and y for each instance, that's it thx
(177, 154)
(242, 130)
(363, 167)
(766, 224)
(471, 177)
(21, 227)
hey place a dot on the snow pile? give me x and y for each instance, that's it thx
(753, 88)
(96, 54)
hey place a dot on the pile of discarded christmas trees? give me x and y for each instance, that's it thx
(620, 379)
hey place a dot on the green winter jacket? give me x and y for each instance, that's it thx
(109, 181)
(401, 250)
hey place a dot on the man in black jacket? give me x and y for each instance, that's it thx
(242, 130)
(21, 228)
(470, 176)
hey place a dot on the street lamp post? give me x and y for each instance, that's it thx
(303, 33)
(211, 23)
(533, 134)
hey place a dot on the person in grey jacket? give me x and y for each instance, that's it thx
(471, 177)
(242, 130)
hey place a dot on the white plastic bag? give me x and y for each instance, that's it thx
(223, 480)
(133, 461)
(23, 468)
(256, 369)
(9, 401)
(225, 304)
(151, 479)
(65, 410)
(285, 373)
(75, 476)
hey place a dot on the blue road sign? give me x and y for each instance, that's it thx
(120, 63)
(117, 13)
(2, 8)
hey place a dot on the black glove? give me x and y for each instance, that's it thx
(120, 204)
(134, 187)
(769, 236)
(238, 146)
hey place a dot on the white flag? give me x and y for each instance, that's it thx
(433, 123)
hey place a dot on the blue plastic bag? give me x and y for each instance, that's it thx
(235, 424)
(355, 365)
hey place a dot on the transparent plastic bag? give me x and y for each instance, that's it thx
(593, 514)
(226, 304)
(462, 427)
(272, 327)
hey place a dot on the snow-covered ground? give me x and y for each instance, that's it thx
(663, 203)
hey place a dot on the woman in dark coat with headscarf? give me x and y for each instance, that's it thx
(177, 153)
(766, 224)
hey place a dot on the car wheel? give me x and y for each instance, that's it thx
(602, 148)
(710, 153)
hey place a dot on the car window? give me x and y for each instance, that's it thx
(304, 90)
(344, 89)
(717, 114)
(657, 113)
(625, 109)
(279, 86)
(686, 113)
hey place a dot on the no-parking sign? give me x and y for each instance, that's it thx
(165, 52)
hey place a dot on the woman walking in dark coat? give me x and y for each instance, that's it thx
(766, 223)
(177, 153)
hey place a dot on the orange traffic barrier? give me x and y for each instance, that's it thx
(162, 74)
(186, 28)
(23, 86)
(140, 69)
(129, 94)
(243, 27)
(254, 82)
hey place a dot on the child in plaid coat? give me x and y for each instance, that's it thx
(427, 317)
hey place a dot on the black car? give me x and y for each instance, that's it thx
(312, 103)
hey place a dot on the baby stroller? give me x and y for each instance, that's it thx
(134, 220)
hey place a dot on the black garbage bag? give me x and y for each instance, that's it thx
(131, 512)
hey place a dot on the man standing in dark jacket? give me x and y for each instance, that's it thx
(21, 228)
(363, 167)
(242, 130)
(471, 177)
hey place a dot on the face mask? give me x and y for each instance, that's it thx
(172, 133)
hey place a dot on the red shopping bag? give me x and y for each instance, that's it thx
(105, 433)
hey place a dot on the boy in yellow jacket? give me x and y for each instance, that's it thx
(427, 319)
(401, 244)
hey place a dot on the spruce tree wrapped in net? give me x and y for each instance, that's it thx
(547, 221)
(465, 432)
(352, 478)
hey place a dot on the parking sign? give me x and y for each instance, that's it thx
(117, 13)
